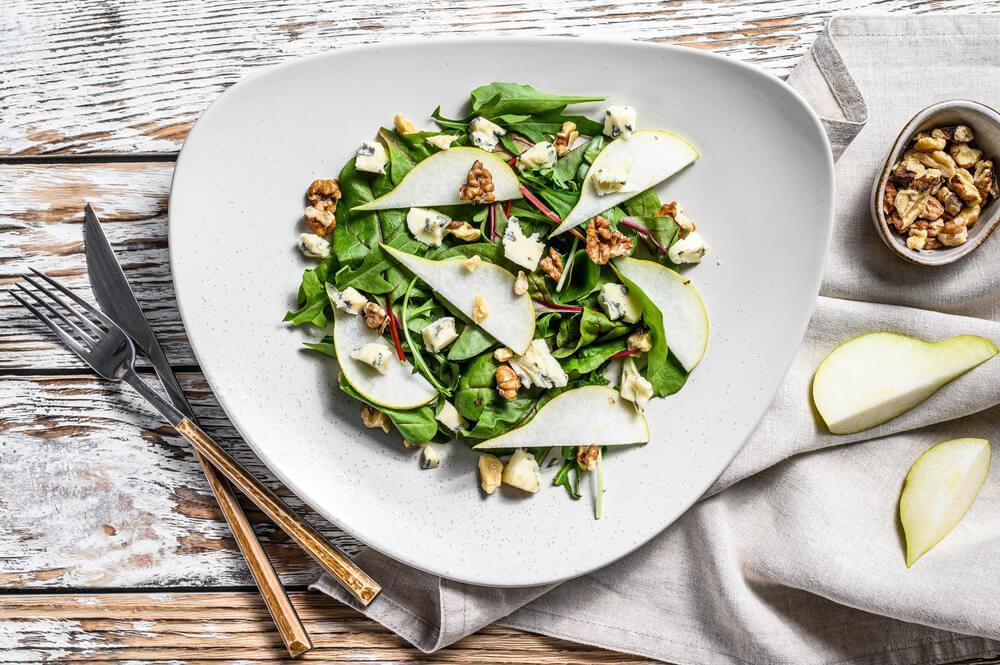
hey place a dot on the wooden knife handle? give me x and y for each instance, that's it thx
(286, 619)
(333, 561)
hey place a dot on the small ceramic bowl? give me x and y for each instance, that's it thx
(985, 125)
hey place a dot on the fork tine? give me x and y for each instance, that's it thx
(94, 328)
(55, 312)
(73, 345)
(93, 311)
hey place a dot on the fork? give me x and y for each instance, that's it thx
(105, 347)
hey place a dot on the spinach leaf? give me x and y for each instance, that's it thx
(584, 279)
(593, 149)
(591, 357)
(646, 204)
(539, 125)
(416, 425)
(356, 232)
(500, 98)
(489, 251)
(470, 344)
(577, 332)
(312, 295)
(564, 172)
(499, 416)
(476, 388)
(391, 222)
(662, 369)
(664, 230)
(560, 200)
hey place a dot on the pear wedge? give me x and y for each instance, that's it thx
(872, 379)
(939, 489)
(578, 417)
(398, 388)
(654, 156)
(510, 318)
(685, 321)
(435, 181)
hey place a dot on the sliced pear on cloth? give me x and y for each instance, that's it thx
(510, 318)
(578, 417)
(398, 388)
(654, 156)
(872, 379)
(938, 491)
(435, 181)
(685, 321)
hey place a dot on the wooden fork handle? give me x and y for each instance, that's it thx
(333, 561)
(283, 613)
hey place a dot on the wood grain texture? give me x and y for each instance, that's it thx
(194, 628)
(41, 225)
(97, 491)
(124, 76)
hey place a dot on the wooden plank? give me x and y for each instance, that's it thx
(193, 628)
(98, 492)
(41, 217)
(79, 77)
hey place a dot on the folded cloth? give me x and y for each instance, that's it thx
(795, 554)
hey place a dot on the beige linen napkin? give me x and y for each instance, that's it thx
(800, 558)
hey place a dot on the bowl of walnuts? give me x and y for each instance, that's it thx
(935, 200)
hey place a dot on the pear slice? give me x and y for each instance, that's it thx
(435, 181)
(655, 155)
(938, 491)
(685, 320)
(872, 379)
(510, 318)
(578, 417)
(398, 388)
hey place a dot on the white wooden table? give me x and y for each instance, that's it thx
(111, 547)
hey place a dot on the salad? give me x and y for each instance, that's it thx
(508, 281)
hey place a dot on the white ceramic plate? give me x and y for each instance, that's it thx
(761, 194)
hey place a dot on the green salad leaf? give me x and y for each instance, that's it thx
(500, 98)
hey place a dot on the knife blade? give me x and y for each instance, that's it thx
(114, 293)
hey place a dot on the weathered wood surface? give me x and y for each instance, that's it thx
(95, 493)
(98, 492)
(194, 628)
(83, 76)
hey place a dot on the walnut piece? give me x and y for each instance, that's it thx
(969, 215)
(479, 310)
(503, 354)
(984, 179)
(472, 263)
(603, 244)
(507, 382)
(520, 284)
(375, 317)
(322, 196)
(909, 204)
(374, 419)
(552, 265)
(965, 155)
(959, 237)
(673, 209)
(478, 187)
(889, 198)
(586, 457)
(565, 138)
(962, 183)
(463, 231)
(932, 209)
(490, 471)
(949, 199)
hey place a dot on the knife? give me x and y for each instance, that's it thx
(114, 293)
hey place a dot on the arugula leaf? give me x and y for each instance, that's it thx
(367, 276)
(593, 149)
(416, 425)
(569, 466)
(500, 98)
(539, 125)
(312, 295)
(400, 163)
(324, 346)
(449, 123)
(470, 344)
(645, 204)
